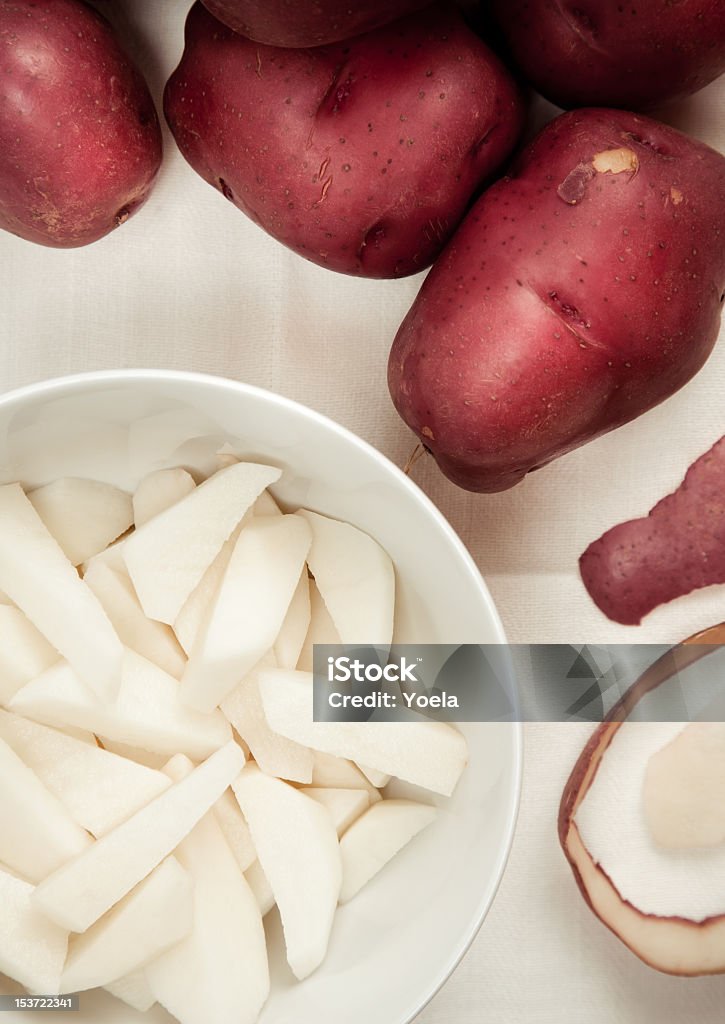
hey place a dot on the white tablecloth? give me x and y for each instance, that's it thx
(189, 283)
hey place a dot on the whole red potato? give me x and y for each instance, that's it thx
(308, 22)
(360, 156)
(600, 53)
(580, 291)
(80, 142)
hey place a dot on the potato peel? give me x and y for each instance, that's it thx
(677, 548)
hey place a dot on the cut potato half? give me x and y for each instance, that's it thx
(684, 789)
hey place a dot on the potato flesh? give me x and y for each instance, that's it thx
(80, 773)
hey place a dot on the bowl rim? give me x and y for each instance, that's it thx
(94, 378)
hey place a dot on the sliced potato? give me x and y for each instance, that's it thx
(159, 491)
(154, 640)
(32, 948)
(81, 891)
(154, 916)
(249, 609)
(376, 837)
(169, 554)
(293, 631)
(344, 805)
(147, 712)
(356, 579)
(219, 973)
(297, 846)
(84, 516)
(37, 834)
(24, 652)
(97, 788)
(43, 583)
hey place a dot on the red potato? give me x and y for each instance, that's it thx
(600, 53)
(362, 156)
(80, 141)
(580, 291)
(308, 22)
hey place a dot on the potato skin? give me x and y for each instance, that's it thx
(359, 156)
(80, 141)
(600, 53)
(308, 22)
(570, 301)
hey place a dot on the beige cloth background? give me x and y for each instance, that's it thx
(189, 283)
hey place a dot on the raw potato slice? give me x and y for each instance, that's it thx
(376, 837)
(236, 831)
(259, 884)
(683, 789)
(98, 788)
(249, 609)
(112, 556)
(428, 754)
(330, 772)
(299, 853)
(321, 629)
(32, 948)
(159, 491)
(198, 605)
(84, 516)
(152, 918)
(344, 805)
(147, 712)
(37, 834)
(356, 579)
(265, 505)
(145, 757)
(219, 973)
(376, 778)
(42, 582)
(86, 888)
(293, 631)
(154, 640)
(134, 990)
(275, 754)
(24, 652)
(168, 555)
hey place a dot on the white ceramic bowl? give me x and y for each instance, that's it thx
(394, 945)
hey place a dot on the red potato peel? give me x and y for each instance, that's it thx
(677, 548)
(80, 142)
